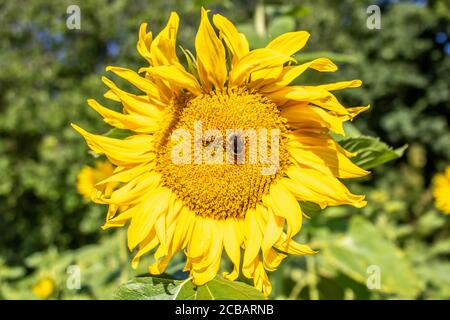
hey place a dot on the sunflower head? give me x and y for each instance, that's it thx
(441, 190)
(44, 288)
(219, 174)
(223, 150)
(89, 177)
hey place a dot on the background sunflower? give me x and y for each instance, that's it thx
(49, 71)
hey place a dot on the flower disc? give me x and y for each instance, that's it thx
(231, 159)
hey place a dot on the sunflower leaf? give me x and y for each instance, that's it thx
(191, 63)
(371, 152)
(154, 288)
(118, 133)
(310, 208)
(364, 254)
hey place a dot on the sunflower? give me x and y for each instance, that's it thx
(208, 208)
(44, 288)
(88, 177)
(441, 190)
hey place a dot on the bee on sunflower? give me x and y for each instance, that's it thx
(208, 209)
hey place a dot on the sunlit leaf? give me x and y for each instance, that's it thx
(153, 288)
(118, 133)
(371, 152)
(365, 247)
(309, 208)
(438, 274)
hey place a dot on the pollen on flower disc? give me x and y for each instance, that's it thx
(224, 188)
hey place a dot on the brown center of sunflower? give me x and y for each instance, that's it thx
(220, 151)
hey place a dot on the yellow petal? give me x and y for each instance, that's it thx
(273, 230)
(341, 85)
(112, 210)
(248, 270)
(316, 139)
(120, 219)
(134, 149)
(288, 245)
(284, 204)
(201, 277)
(134, 104)
(147, 86)
(291, 73)
(142, 223)
(129, 173)
(160, 265)
(163, 47)
(331, 103)
(147, 245)
(327, 160)
(289, 43)
(301, 116)
(144, 42)
(178, 77)
(183, 230)
(206, 267)
(261, 280)
(256, 60)
(137, 123)
(272, 259)
(236, 42)
(312, 185)
(208, 257)
(298, 93)
(160, 228)
(211, 61)
(232, 242)
(172, 217)
(200, 239)
(253, 238)
(264, 77)
(353, 112)
(135, 190)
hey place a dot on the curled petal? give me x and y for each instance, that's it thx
(235, 41)
(144, 42)
(136, 123)
(134, 149)
(144, 84)
(144, 219)
(289, 43)
(178, 77)
(163, 47)
(211, 61)
(284, 204)
(312, 185)
(256, 60)
(291, 73)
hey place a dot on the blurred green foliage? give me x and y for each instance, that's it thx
(48, 72)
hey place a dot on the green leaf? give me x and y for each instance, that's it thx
(310, 208)
(153, 288)
(280, 25)
(371, 152)
(118, 133)
(363, 246)
(438, 274)
(440, 247)
(191, 64)
(429, 222)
